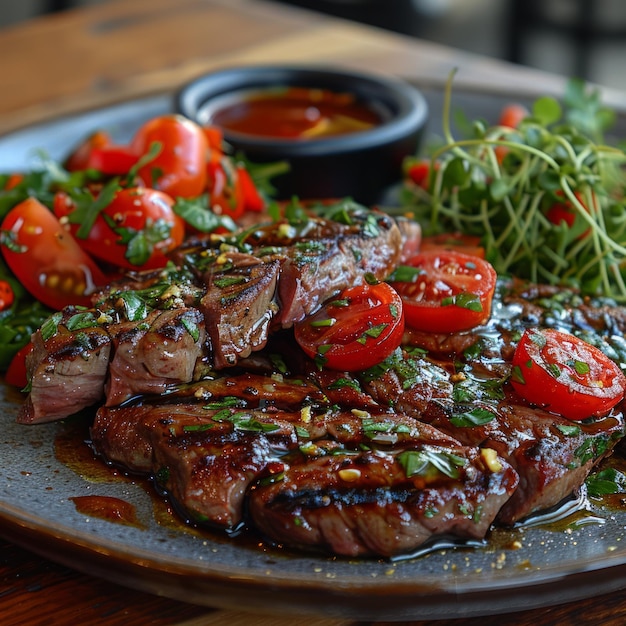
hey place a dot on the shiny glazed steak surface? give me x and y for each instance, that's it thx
(202, 387)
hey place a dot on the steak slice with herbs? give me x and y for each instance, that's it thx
(239, 306)
(217, 450)
(67, 367)
(164, 350)
(552, 455)
(363, 503)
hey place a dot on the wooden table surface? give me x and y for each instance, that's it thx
(119, 50)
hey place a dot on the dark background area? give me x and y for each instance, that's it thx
(582, 38)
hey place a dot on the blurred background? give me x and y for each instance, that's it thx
(582, 38)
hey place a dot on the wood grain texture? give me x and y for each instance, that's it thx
(124, 49)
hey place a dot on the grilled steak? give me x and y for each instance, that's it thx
(164, 349)
(218, 458)
(227, 294)
(203, 389)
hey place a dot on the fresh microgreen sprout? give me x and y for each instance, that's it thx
(499, 183)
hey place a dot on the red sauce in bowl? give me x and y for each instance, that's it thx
(296, 113)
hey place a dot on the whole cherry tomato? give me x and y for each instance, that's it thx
(179, 167)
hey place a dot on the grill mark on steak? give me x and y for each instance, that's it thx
(365, 504)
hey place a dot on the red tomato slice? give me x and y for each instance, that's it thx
(179, 169)
(16, 373)
(451, 291)
(46, 259)
(565, 375)
(136, 230)
(356, 330)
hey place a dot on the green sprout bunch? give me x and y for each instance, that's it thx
(546, 197)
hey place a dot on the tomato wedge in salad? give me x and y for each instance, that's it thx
(566, 375)
(46, 259)
(361, 327)
(445, 291)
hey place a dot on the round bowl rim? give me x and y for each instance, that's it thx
(410, 114)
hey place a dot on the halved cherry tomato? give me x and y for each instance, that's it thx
(565, 375)
(16, 373)
(361, 327)
(449, 292)
(467, 244)
(179, 169)
(46, 259)
(136, 230)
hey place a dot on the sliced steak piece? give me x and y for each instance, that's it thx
(407, 383)
(239, 305)
(250, 390)
(315, 270)
(383, 504)
(552, 455)
(67, 370)
(163, 350)
(204, 459)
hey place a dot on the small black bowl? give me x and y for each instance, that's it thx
(362, 165)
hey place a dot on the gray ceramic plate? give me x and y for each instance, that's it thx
(519, 570)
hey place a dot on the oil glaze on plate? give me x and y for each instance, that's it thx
(42, 483)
